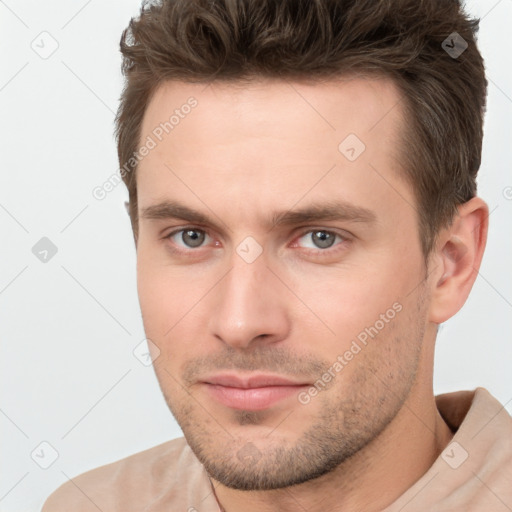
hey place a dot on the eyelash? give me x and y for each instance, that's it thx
(319, 252)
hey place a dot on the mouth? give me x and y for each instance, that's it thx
(254, 392)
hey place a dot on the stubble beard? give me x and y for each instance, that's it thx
(343, 427)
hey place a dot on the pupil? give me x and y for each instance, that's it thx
(193, 238)
(324, 239)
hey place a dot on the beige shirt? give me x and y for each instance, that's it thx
(474, 472)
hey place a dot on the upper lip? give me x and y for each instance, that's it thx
(250, 381)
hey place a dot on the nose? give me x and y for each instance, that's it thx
(249, 306)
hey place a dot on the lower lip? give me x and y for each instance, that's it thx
(254, 399)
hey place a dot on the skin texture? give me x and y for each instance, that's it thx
(242, 154)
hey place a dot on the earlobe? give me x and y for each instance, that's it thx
(459, 254)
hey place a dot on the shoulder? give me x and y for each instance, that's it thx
(127, 484)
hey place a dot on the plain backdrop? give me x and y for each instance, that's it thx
(73, 394)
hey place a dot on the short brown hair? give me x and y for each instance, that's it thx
(406, 40)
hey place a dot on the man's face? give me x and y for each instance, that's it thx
(287, 342)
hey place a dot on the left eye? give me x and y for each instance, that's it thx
(321, 239)
(189, 238)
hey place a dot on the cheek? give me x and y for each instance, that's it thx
(382, 355)
(362, 310)
(170, 303)
(163, 299)
(155, 298)
(158, 308)
(348, 300)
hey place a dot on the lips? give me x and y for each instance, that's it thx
(251, 392)
(251, 381)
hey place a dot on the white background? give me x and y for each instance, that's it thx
(68, 327)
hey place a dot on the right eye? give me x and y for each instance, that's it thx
(188, 238)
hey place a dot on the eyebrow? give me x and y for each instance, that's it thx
(330, 211)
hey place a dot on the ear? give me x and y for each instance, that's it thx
(456, 259)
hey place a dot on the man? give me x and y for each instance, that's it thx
(302, 194)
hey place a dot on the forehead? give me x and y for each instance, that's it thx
(278, 139)
(263, 106)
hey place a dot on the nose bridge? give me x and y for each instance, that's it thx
(248, 304)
